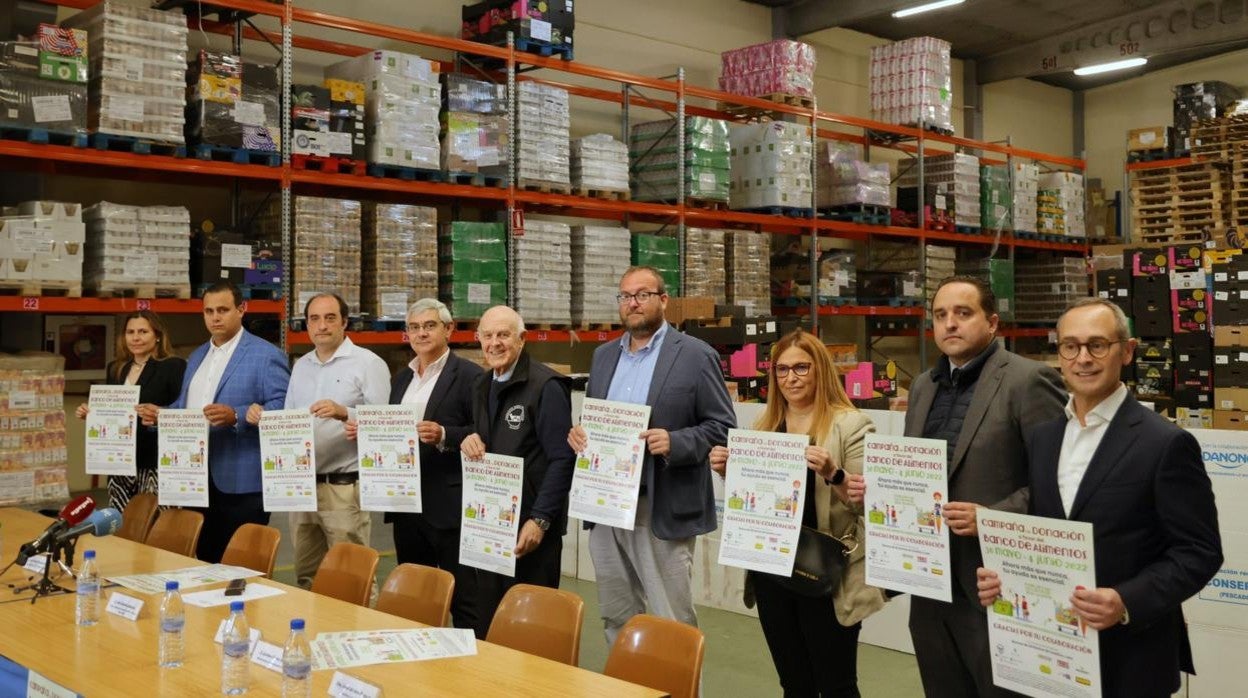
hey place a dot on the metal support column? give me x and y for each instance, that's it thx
(815, 251)
(287, 202)
(680, 176)
(512, 152)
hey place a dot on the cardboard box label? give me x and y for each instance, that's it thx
(51, 108)
(236, 256)
(249, 113)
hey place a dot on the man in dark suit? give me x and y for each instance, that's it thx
(225, 377)
(441, 384)
(651, 566)
(977, 399)
(1141, 482)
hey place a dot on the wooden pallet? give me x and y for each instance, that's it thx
(1173, 236)
(542, 186)
(30, 287)
(144, 291)
(331, 165)
(741, 111)
(607, 194)
(711, 204)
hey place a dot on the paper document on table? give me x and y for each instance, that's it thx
(186, 577)
(217, 597)
(351, 649)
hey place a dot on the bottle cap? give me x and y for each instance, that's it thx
(171, 585)
(296, 624)
(236, 606)
(90, 555)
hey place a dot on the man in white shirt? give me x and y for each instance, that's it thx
(330, 382)
(1141, 482)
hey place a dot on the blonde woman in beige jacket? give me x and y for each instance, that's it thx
(814, 641)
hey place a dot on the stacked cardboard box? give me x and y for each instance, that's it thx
(543, 265)
(600, 255)
(539, 21)
(600, 163)
(912, 82)
(654, 160)
(326, 237)
(1227, 272)
(1025, 187)
(995, 200)
(132, 246)
(1199, 101)
(748, 279)
(782, 66)
(138, 70)
(347, 119)
(472, 271)
(33, 454)
(896, 271)
(402, 98)
(1045, 286)
(704, 272)
(474, 124)
(1061, 204)
(232, 103)
(999, 274)
(770, 165)
(952, 184)
(41, 243)
(542, 134)
(42, 89)
(844, 178)
(400, 256)
(661, 252)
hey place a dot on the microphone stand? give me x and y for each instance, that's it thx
(45, 586)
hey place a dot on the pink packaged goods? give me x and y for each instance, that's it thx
(780, 66)
(912, 80)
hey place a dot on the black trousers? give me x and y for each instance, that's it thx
(541, 567)
(951, 646)
(225, 513)
(416, 541)
(815, 656)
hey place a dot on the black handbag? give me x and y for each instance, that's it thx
(819, 564)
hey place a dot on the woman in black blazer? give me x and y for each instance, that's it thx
(143, 359)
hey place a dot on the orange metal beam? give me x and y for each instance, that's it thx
(884, 310)
(169, 306)
(107, 158)
(461, 191)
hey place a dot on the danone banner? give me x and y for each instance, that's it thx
(607, 476)
(389, 454)
(288, 460)
(1224, 600)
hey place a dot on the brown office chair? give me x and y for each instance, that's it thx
(253, 546)
(658, 653)
(138, 516)
(419, 593)
(177, 530)
(541, 621)
(347, 573)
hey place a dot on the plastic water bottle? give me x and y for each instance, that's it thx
(235, 660)
(88, 606)
(172, 621)
(297, 663)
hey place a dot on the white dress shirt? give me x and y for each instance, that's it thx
(421, 387)
(1080, 442)
(203, 388)
(352, 376)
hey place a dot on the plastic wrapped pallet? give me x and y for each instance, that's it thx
(661, 252)
(129, 247)
(472, 273)
(138, 70)
(845, 179)
(599, 163)
(653, 157)
(543, 126)
(953, 179)
(999, 274)
(771, 166)
(474, 125)
(704, 272)
(912, 81)
(543, 268)
(1199, 101)
(348, 134)
(995, 200)
(464, 94)
(325, 235)
(1045, 286)
(33, 455)
(30, 100)
(233, 103)
(41, 244)
(1062, 204)
(1024, 185)
(401, 104)
(748, 274)
(400, 256)
(600, 255)
(782, 66)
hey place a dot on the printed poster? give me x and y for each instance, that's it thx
(342, 650)
(907, 540)
(491, 513)
(287, 460)
(607, 476)
(389, 454)
(112, 430)
(764, 497)
(182, 467)
(1039, 645)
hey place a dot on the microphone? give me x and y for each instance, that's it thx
(71, 514)
(101, 522)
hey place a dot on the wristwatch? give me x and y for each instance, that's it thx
(1126, 616)
(541, 523)
(838, 477)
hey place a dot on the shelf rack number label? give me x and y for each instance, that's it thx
(30, 303)
(144, 305)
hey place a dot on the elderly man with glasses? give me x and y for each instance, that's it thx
(678, 376)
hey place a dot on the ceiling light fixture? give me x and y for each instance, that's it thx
(926, 7)
(1112, 65)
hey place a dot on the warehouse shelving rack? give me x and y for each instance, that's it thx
(676, 95)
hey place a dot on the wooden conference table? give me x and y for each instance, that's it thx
(117, 657)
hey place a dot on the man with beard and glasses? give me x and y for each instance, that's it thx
(679, 377)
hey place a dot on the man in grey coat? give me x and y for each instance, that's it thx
(679, 377)
(978, 398)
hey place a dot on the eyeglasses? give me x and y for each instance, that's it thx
(641, 297)
(429, 326)
(782, 370)
(1097, 348)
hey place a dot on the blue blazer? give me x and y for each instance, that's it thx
(687, 398)
(258, 372)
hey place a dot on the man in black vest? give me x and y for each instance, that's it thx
(523, 408)
(978, 399)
